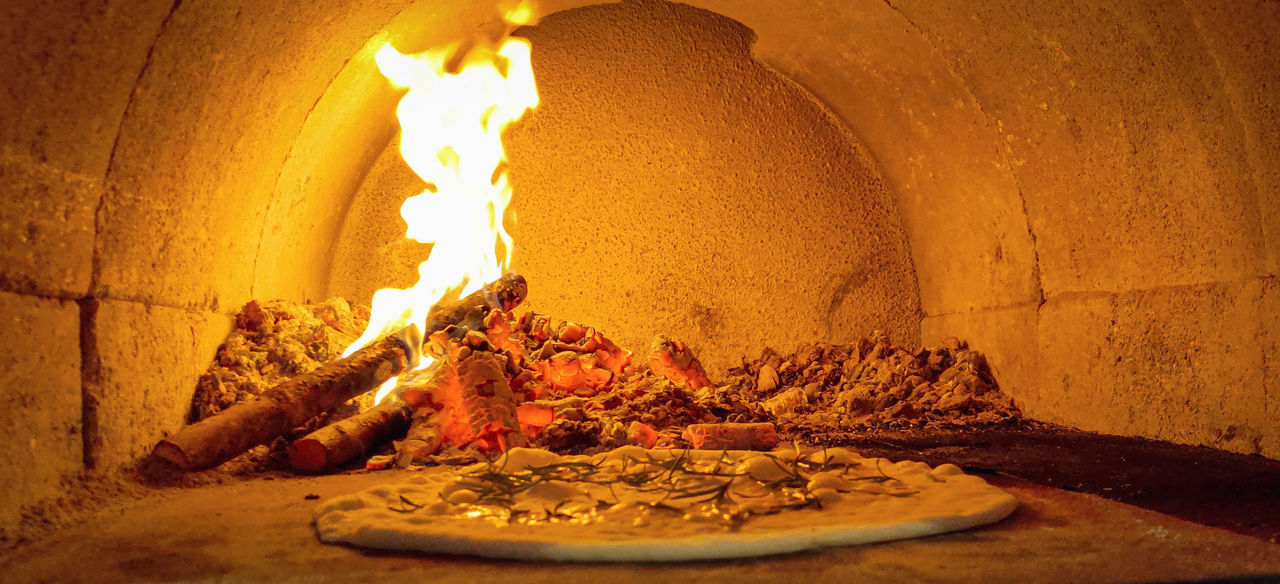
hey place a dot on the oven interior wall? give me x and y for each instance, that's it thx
(1088, 193)
(670, 184)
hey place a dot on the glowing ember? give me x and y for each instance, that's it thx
(451, 120)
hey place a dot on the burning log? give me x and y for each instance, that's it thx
(422, 440)
(217, 439)
(272, 342)
(474, 399)
(674, 360)
(505, 293)
(762, 436)
(338, 443)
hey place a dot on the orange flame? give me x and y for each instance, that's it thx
(451, 121)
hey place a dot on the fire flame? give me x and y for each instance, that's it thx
(458, 103)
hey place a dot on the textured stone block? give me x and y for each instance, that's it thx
(1191, 368)
(1244, 37)
(1123, 136)
(46, 228)
(40, 378)
(149, 360)
(200, 153)
(1181, 364)
(943, 156)
(1075, 360)
(69, 70)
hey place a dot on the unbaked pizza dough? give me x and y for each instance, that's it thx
(632, 504)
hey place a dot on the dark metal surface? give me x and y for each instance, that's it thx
(1222, 489)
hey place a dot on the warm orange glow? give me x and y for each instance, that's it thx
(521, 14)
(451, 121)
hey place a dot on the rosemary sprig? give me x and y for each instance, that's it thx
(406, 506)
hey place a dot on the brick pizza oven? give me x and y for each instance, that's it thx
(1087, 192)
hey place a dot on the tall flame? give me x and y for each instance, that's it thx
(451, 120)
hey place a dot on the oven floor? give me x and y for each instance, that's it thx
(1233, 491)
(259, 531)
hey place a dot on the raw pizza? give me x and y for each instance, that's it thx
(632, 504)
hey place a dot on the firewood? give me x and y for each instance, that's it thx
(217, 439)
(760, 436)
(674, 360)
(422, 440)
(272, 342)
(335, 444)
(505, 293)
(474, 399)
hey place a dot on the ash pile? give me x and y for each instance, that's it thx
(272, 342)
(494, 376)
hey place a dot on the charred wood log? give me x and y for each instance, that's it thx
(422, 440)
(217, 439)
(728, 436)
(473, 398)
(505, 293)
(674, 360)
(327, 448)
